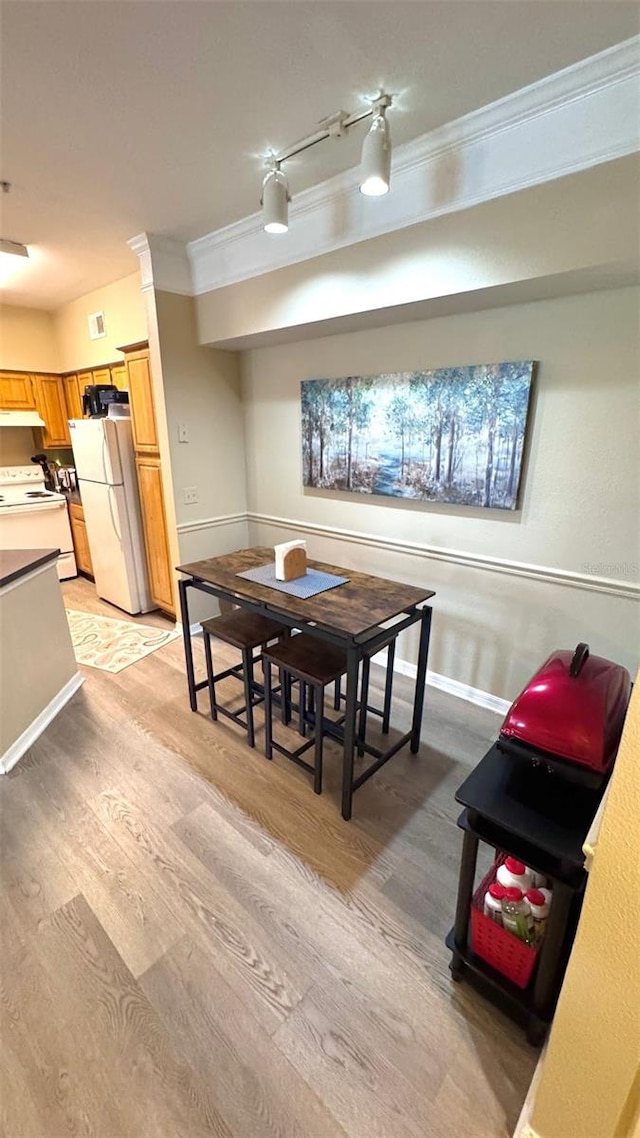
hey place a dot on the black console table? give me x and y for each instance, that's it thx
(542, 821)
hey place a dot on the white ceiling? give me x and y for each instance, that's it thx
(123, 116)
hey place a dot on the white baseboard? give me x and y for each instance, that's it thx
(15, 752)
(452, 687)
(523, 1126)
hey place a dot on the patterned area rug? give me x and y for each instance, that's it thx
(112, 645)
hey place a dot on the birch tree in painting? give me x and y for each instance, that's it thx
(451, 435)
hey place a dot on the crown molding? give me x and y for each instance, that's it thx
(164, 264)
(572, 120)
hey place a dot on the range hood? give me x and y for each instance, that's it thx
(21, 419)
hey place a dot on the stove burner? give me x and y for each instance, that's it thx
(37, 494)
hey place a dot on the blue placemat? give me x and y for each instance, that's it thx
(313, 582)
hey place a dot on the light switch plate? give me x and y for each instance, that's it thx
(190, 494)
(183, 433)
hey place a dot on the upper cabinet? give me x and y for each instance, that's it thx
(50, 402)
(73, 396)
(16, 392)
(100, 375)
(143, 416)
(119, 376)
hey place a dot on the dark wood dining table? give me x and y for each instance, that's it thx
(349, 616)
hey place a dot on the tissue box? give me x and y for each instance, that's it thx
(291, 560)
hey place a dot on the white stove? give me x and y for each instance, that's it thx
(32, 517)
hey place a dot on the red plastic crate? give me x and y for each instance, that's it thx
(496, 945)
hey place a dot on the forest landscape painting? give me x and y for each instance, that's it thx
(453, 435)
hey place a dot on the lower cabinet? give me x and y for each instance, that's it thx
(155, 532)
(80, 539)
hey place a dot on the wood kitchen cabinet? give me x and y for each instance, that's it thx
(51, 404)
(16, 391)
(101, 375)
(80, 539)
(73, 395)
(143, 414)
(119, 377)
(155, 532)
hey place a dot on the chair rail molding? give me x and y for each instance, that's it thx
(211, 523)
(574, 119)
(629, 590)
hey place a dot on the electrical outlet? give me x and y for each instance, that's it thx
(190, 494)
(183, 433)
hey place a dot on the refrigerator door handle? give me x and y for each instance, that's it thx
(104, 459)
(110, 492)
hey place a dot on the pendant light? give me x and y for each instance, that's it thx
(275, 200)
(375, 169)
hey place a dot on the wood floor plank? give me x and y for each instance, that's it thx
(133, 913)
(259, 1091)
(398, 1000)
(352, 1073)
(247, 957)
(50, 1084)
(152, 1088)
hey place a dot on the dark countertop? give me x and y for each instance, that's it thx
(16, 563)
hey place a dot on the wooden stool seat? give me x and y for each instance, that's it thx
(308, 659)
(243, 629)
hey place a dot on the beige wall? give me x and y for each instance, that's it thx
(202, 391)
(16, 446)
(590, 1077)
(580, 502)
(27, 339)
(125, 321)
(36, 655)
(539, 233)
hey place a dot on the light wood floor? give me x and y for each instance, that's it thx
(193, 943)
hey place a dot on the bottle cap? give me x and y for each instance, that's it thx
(512, 893)
(515, 866)
(535, 896)
(497, 891)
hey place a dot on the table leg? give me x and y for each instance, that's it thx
(421, 678)
(188, 650)
(549, 964)
(349, 731)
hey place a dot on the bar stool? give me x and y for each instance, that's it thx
(313, 665)
(246, 631)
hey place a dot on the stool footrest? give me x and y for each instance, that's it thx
(295, 755)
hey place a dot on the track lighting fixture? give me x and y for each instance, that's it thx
(376, 161)
(275, 199)
(375, 167)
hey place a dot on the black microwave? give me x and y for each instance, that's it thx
(98, 396)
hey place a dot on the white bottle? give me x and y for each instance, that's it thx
(493, 902)
(539, 907)
(514, 873)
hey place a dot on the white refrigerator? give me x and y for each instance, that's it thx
(105, 465)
